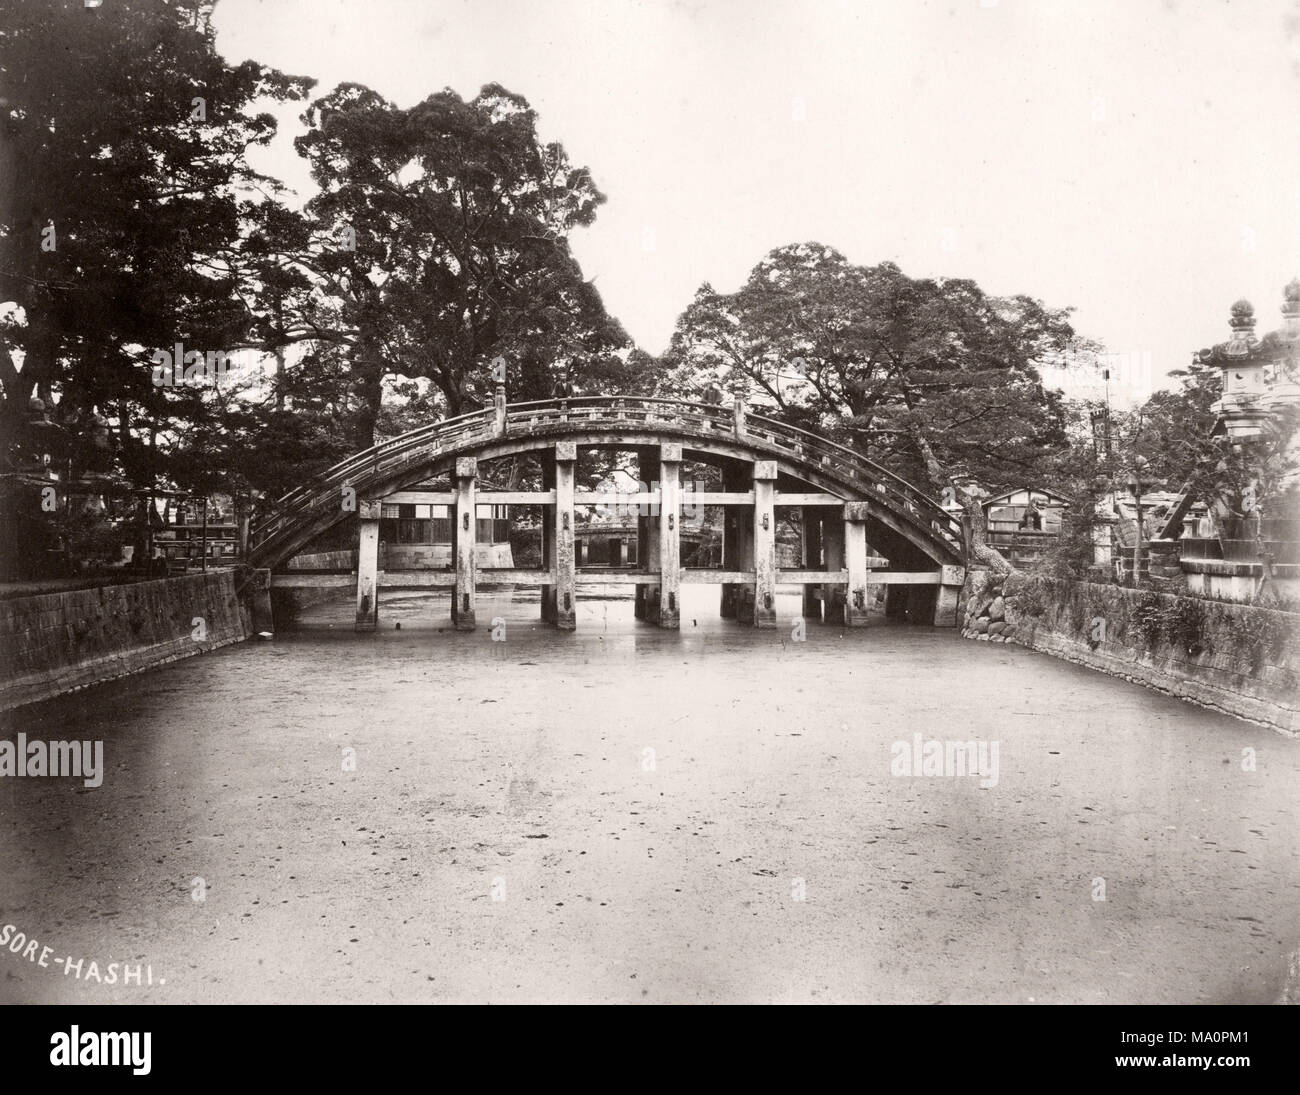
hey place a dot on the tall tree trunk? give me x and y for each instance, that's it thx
(972, 502)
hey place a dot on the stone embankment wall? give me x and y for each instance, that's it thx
(1242, 659)
(57, 642)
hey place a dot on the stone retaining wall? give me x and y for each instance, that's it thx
(58, 642)
(1241, 659)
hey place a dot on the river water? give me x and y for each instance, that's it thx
(629, 814)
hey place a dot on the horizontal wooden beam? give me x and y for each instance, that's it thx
(314, 581)
(812, 577)
(718, 498)
(505, 576)
(515, 498)
(417, 579)
(703, 576)
(436, 579)
(615, 578)
(482, 498)
(795, 498)
(615, 498)
(420, 498)
(609, 497)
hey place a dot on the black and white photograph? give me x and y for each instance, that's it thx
(654, 502)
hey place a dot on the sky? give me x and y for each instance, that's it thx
(1137, 160)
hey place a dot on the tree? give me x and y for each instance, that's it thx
(931, 377)
(125, 181)
(440, 242)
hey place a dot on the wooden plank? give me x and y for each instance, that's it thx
(418, 579)
(706, 576)
(904, 578)
(507, 576)
(812, 577)
(795, 498)
(718, 498)
(484, 498)
(615, 498)
(420, 498)
(516, 498)
(315, 581)
(616, 578)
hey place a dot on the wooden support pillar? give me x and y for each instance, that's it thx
(259, 598)
(812, 560)
(548, 536)
(565, 613)
(670, 535)
(464, 529)
(856, 602)
(951, 580)
(737, 547)
(646, 605)
(499, 412)
(765, 543)
(368, 566)
(833, 549)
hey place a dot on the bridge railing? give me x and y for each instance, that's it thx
(698, 420)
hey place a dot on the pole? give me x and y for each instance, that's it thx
(205, 533)
(1137, 544)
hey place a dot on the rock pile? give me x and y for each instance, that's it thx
(986, 613)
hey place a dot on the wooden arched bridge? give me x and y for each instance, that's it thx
(863, 526)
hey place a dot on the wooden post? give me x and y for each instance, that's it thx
(647, 542)
(948, 599)
(464, 530)
(812, 560)
(856, 605)
(548, 536)
(737, 527)
(670, 535)
(565, 614)
(833, 546)
(499, 412)
(368, 565)
(765, 543)
(260, 603)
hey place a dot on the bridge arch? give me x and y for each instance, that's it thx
(919, 542)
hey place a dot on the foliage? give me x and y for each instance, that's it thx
(1259, 635)
(1174, 431)
(1033, 594)
(884, 362)
(1180, 622)
(439, 241)
(124, 193)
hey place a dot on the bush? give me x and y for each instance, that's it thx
(1030, 597)
(1185, 625)
(1147, 619)
(1258, 635)
(1180, 623)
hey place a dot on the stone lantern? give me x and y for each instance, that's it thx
(1241, 407)
(1284, 347)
